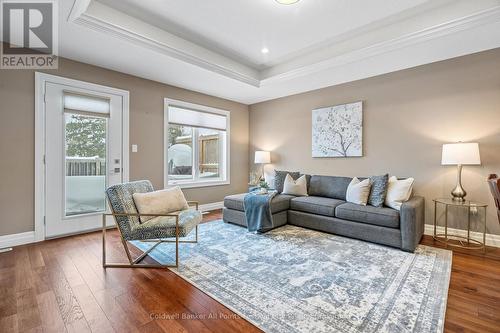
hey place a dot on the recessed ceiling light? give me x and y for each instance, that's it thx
(287, 2)
(265, 50)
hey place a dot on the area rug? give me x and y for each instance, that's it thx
(298, 280)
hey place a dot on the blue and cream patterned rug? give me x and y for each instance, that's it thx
(297, 280)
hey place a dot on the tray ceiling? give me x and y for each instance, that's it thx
(215, 46)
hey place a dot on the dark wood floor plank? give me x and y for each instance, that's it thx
(9, 324)
(23, 274)
(35, 256)
(7, 259)
(8, 298)
(95, 316)
(69, 308)
(49, 311)
(60, 285)
(103, 290)
(28, 315)
(153, 327)
(122, 277)
(134, 309)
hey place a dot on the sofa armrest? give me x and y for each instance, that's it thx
(412, 220)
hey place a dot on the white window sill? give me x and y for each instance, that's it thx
(201, 183)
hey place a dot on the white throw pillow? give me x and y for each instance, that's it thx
(295, 187)
(269, 179)
(160, 202)
(398, 191)
(358, 191)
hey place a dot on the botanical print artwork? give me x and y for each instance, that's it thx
(337, 131)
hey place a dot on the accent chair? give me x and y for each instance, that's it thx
(163, 228)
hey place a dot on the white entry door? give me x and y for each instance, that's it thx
(83, 155)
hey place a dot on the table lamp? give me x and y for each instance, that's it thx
(460, 154)
(262, 157)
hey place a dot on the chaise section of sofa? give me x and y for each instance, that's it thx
(326, 210)
(234, 212)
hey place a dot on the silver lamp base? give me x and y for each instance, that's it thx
(458, 194)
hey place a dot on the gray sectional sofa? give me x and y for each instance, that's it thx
(325, 209)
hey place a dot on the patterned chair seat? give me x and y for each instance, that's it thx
(156, 229)
(164, 226)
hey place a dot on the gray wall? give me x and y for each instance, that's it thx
(17, 119)
(408, 115)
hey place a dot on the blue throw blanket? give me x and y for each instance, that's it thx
(258, 211)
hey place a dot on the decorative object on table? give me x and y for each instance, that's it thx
(263, 187)
(258, 213)
(279, 178)
(379, 190)
(463, 240)
(494, 183)
(337, 131)
(398, 191)
(262, 158)
(296, 187)
(319, 282)
(460, 154)
(164, 227)
(358, 191)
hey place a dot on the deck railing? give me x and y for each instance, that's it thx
(85, 166)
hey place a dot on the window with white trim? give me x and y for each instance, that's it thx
(196, 145)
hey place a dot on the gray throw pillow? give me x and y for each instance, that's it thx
(379, 190)
(279, 178)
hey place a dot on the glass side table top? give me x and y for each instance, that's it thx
(467, 203)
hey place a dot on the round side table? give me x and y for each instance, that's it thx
(462, 241)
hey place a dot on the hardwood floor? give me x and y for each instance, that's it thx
(60, 285)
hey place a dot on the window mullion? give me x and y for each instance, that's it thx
(196, 152)
(222, 168)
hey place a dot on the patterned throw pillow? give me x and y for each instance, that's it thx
(379, 190)
(279, 178)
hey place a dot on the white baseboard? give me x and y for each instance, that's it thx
(17, 239)
(29, 237)
(491, 240)
(212, 206)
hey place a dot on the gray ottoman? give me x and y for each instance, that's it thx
(233, 211)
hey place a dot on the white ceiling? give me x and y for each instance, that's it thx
(215, 46)
(242, 28)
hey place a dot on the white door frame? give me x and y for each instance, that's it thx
(40, 80)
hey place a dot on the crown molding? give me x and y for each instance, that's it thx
(465, 23)
(98, 17)
(79, 14)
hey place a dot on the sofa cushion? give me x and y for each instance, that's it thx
(279, 203)
(279, 178)
(315, 205)
(381, 216)
(329, 186)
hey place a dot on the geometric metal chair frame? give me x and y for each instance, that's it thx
(119, 217)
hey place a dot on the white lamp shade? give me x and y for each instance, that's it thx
(262, 157)
(461, 153)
